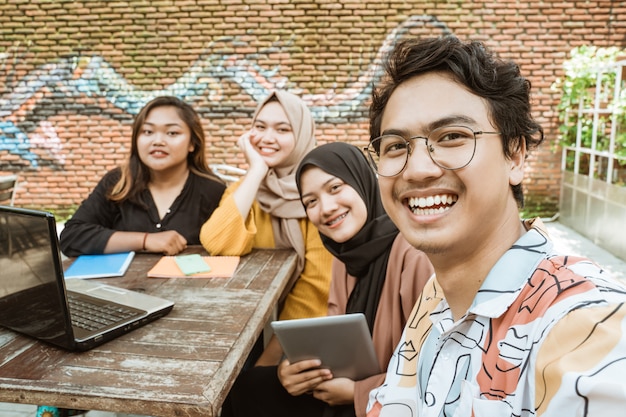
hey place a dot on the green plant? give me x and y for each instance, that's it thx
(589, 81)
(581, 75)
(580, 84)
(62, 214)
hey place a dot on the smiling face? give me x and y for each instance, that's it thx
(451, 212)
(164, 141)
(272, 134)
(333, 206)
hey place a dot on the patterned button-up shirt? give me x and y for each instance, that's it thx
(544, 336)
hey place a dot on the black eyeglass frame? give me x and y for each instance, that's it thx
(369, 150)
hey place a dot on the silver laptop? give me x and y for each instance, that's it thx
(36, 300)
(343, 343)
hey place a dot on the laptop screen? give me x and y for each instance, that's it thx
(31, 300)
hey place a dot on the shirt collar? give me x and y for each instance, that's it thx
(509, 275)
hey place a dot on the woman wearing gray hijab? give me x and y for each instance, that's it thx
(263, 209)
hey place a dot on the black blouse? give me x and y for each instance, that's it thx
(97, 218)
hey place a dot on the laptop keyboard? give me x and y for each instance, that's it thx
(91, 316)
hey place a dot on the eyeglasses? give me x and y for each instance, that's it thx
(450, 147)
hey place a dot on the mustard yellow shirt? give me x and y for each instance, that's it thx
(227, 233)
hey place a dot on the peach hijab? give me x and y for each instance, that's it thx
(279, 195)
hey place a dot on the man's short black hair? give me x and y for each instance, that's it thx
(473, 66)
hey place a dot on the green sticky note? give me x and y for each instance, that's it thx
(191, 264)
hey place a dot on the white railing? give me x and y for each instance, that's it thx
(600, 108)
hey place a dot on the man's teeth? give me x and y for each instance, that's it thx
(431, 204)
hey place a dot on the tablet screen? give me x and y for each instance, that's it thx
(343, 344)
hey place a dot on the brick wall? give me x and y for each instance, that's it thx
(73, 74)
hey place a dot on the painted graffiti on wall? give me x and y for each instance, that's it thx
(69, 78)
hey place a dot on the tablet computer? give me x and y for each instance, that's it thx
(343, 343)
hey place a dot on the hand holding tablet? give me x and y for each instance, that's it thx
(343, 344)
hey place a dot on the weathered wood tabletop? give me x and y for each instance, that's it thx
(180, 365)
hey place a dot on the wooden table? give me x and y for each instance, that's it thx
(181, 365)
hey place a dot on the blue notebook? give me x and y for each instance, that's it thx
(100, 266)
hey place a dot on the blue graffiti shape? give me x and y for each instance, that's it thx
(78, 76)
(13, 140)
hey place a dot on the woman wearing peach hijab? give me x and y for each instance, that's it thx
(263, 209)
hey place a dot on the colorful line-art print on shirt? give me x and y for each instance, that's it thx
(545, 336)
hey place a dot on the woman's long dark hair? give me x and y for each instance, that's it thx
(135, 175)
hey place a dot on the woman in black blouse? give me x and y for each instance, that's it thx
(158, 200)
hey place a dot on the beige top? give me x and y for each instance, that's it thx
(408, 271)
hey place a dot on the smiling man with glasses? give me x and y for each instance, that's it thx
(507, 326)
